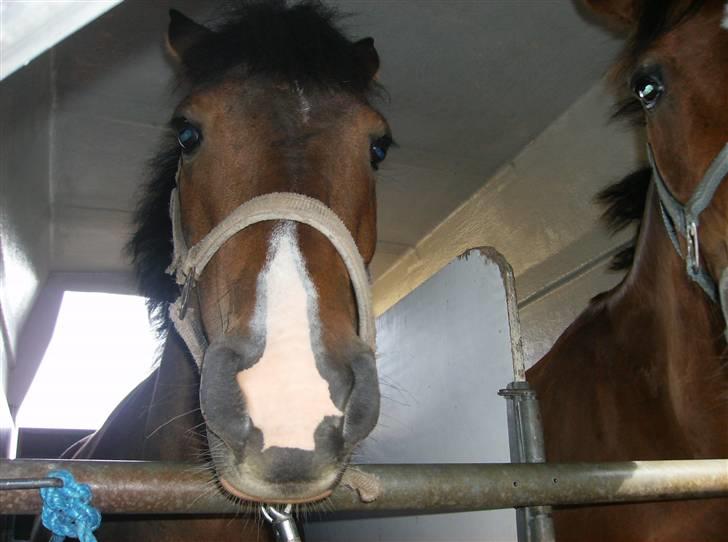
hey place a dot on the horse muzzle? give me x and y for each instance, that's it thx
(289, 448)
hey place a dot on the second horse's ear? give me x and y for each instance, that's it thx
(182, 34)
(368, 54)
(619, 13)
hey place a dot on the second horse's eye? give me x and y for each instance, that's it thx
(188, 136)
(649, 89)
(378, 150)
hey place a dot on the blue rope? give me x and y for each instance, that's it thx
(67, 510)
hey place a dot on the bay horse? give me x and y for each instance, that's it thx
(251, 243)
(643, 373)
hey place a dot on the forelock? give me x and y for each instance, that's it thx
(291, 41)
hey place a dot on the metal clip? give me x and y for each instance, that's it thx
(693, 259)
(282, 522)
(185, 297)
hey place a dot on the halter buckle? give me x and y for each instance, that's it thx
(185, 297)
(282, 522)
(693, 259)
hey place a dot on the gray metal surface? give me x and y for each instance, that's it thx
(444, 351)
(142, 487)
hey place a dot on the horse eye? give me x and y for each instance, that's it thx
(378, 150)
(189, 137)
(649, 90)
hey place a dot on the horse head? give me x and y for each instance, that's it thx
(675, 67)
(276, 144)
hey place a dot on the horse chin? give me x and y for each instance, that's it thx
(227, 486)
(278, 475)
(240, 482)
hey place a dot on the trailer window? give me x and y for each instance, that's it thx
(102, 347)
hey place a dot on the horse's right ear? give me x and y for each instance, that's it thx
(620, 13)
(366, 51)
(182, 34)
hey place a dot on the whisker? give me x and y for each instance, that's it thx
(170, 421)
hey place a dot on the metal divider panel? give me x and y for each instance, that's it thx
(444, 351)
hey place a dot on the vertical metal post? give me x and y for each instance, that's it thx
(525, 434)
(526, 442)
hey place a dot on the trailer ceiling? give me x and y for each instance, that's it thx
(470, 84)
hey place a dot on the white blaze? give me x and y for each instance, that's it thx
(286, 396)
(725, 17)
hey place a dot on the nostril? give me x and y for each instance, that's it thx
(223, 406)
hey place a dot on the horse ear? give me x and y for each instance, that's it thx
(368, 54)
(621, 13)
(182, 34)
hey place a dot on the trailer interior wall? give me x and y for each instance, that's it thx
(25, 104)
(538, 211)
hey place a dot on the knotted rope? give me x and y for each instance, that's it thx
(67, 510)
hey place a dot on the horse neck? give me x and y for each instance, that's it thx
(174, 424)
(666, 323)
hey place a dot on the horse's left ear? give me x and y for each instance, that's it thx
(368, 54)
(182, 34)
(620, 13)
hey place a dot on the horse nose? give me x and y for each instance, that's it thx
(268, 441)
(239, 393)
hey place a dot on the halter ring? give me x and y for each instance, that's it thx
(282, 522)
(693, 242)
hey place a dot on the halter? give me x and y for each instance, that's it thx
(189, 263)
(684, 219)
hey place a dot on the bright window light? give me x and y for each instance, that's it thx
(101, 348)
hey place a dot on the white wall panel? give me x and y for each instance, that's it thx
(25, 103)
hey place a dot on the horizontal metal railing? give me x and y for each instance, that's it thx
(127, 487)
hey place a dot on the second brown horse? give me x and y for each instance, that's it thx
(642, 373)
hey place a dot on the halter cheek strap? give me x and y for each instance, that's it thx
(684, 219)
(189, 263)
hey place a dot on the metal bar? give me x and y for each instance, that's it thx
(181, 488)
(29, 483)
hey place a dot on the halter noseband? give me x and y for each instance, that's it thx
(189, 263)
(684, 219)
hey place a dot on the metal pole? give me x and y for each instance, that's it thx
(525, 437)
(180, 488)
(525, 433)
(29, 483)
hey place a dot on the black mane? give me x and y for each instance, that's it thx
(624, 204)
(296, 43)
